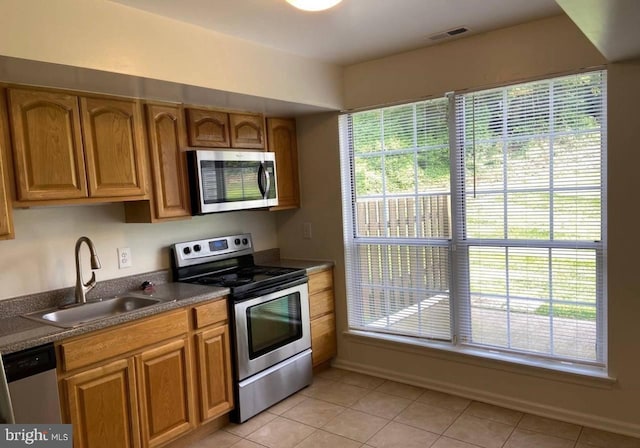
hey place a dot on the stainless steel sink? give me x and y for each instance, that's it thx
(77, 315)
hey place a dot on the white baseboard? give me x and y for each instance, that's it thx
(590, 420)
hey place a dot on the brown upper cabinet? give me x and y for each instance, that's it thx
(247, 131)
(47, 145)
(281, 137)
(218, 129)
(51, 162)
(6, 212)
(114, 146)
(208, 128)
(170, 188)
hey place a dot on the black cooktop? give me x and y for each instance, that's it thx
(249, 278)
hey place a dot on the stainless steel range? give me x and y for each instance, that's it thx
(269, 309)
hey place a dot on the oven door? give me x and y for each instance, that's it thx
(271, 328)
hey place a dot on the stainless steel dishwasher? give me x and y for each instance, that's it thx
(29, 392)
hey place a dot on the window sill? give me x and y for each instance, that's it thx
(596, 377)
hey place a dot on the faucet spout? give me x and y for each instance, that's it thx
(83, 288)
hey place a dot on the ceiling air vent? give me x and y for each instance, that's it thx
(449, 33)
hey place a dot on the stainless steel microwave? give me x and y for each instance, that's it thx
(223, 181)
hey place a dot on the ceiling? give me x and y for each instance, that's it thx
(355, 30)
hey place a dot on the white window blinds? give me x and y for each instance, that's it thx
(530, 197)
(397, 208)
(479, 218)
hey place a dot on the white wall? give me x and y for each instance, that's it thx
(531, 50)
(103, 35)
(41, 257)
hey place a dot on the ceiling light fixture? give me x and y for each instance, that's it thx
(313, 5)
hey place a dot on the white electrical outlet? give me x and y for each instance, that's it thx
(306, 231)
(124, 258)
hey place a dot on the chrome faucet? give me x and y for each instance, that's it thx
(83, 288)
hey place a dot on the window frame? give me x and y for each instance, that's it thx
(458, 243)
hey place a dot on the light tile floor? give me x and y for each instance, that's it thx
(350, 410)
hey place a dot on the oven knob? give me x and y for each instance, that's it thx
(237, 241)
(186, 250)
(245, 241)
(197, 248)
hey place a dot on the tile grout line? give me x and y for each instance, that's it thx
(322, 427)
(389, 421)
(579, 435)
(455, 420)
(376, 433)
(514, 429)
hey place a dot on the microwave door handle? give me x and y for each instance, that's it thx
(261, 186)
(268, 181)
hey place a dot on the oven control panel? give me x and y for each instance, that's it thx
(200, 251)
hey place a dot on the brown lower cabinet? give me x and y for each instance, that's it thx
(165, 392)
(214, 361)
(323, 319)
(153, 376)
(102, 405)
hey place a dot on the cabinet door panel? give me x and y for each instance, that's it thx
(114, 147)
(214, 369)
(323, 338)
(165, 388)
(48, 154)
(320, 281)
(321, 303)
(282, 141)
(6, 212)
(102, 406)
(167, 137)
(247, 131)
(208, 128)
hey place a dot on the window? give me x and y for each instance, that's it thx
(478, 218)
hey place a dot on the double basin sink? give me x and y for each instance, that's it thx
(78, 315)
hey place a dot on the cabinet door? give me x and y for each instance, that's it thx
(165, 389)
(102, 406)
(114, 147)
(247, 131)
(47, 144)
(6, 212)
(214, 372)
(323, 338)
(281, 135)
(167, 137)
(208, 128)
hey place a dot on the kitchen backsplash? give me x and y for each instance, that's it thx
(41, 258)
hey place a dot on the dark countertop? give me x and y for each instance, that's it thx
(19, 333)
(310, 265)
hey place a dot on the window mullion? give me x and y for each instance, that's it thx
(459, 309)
